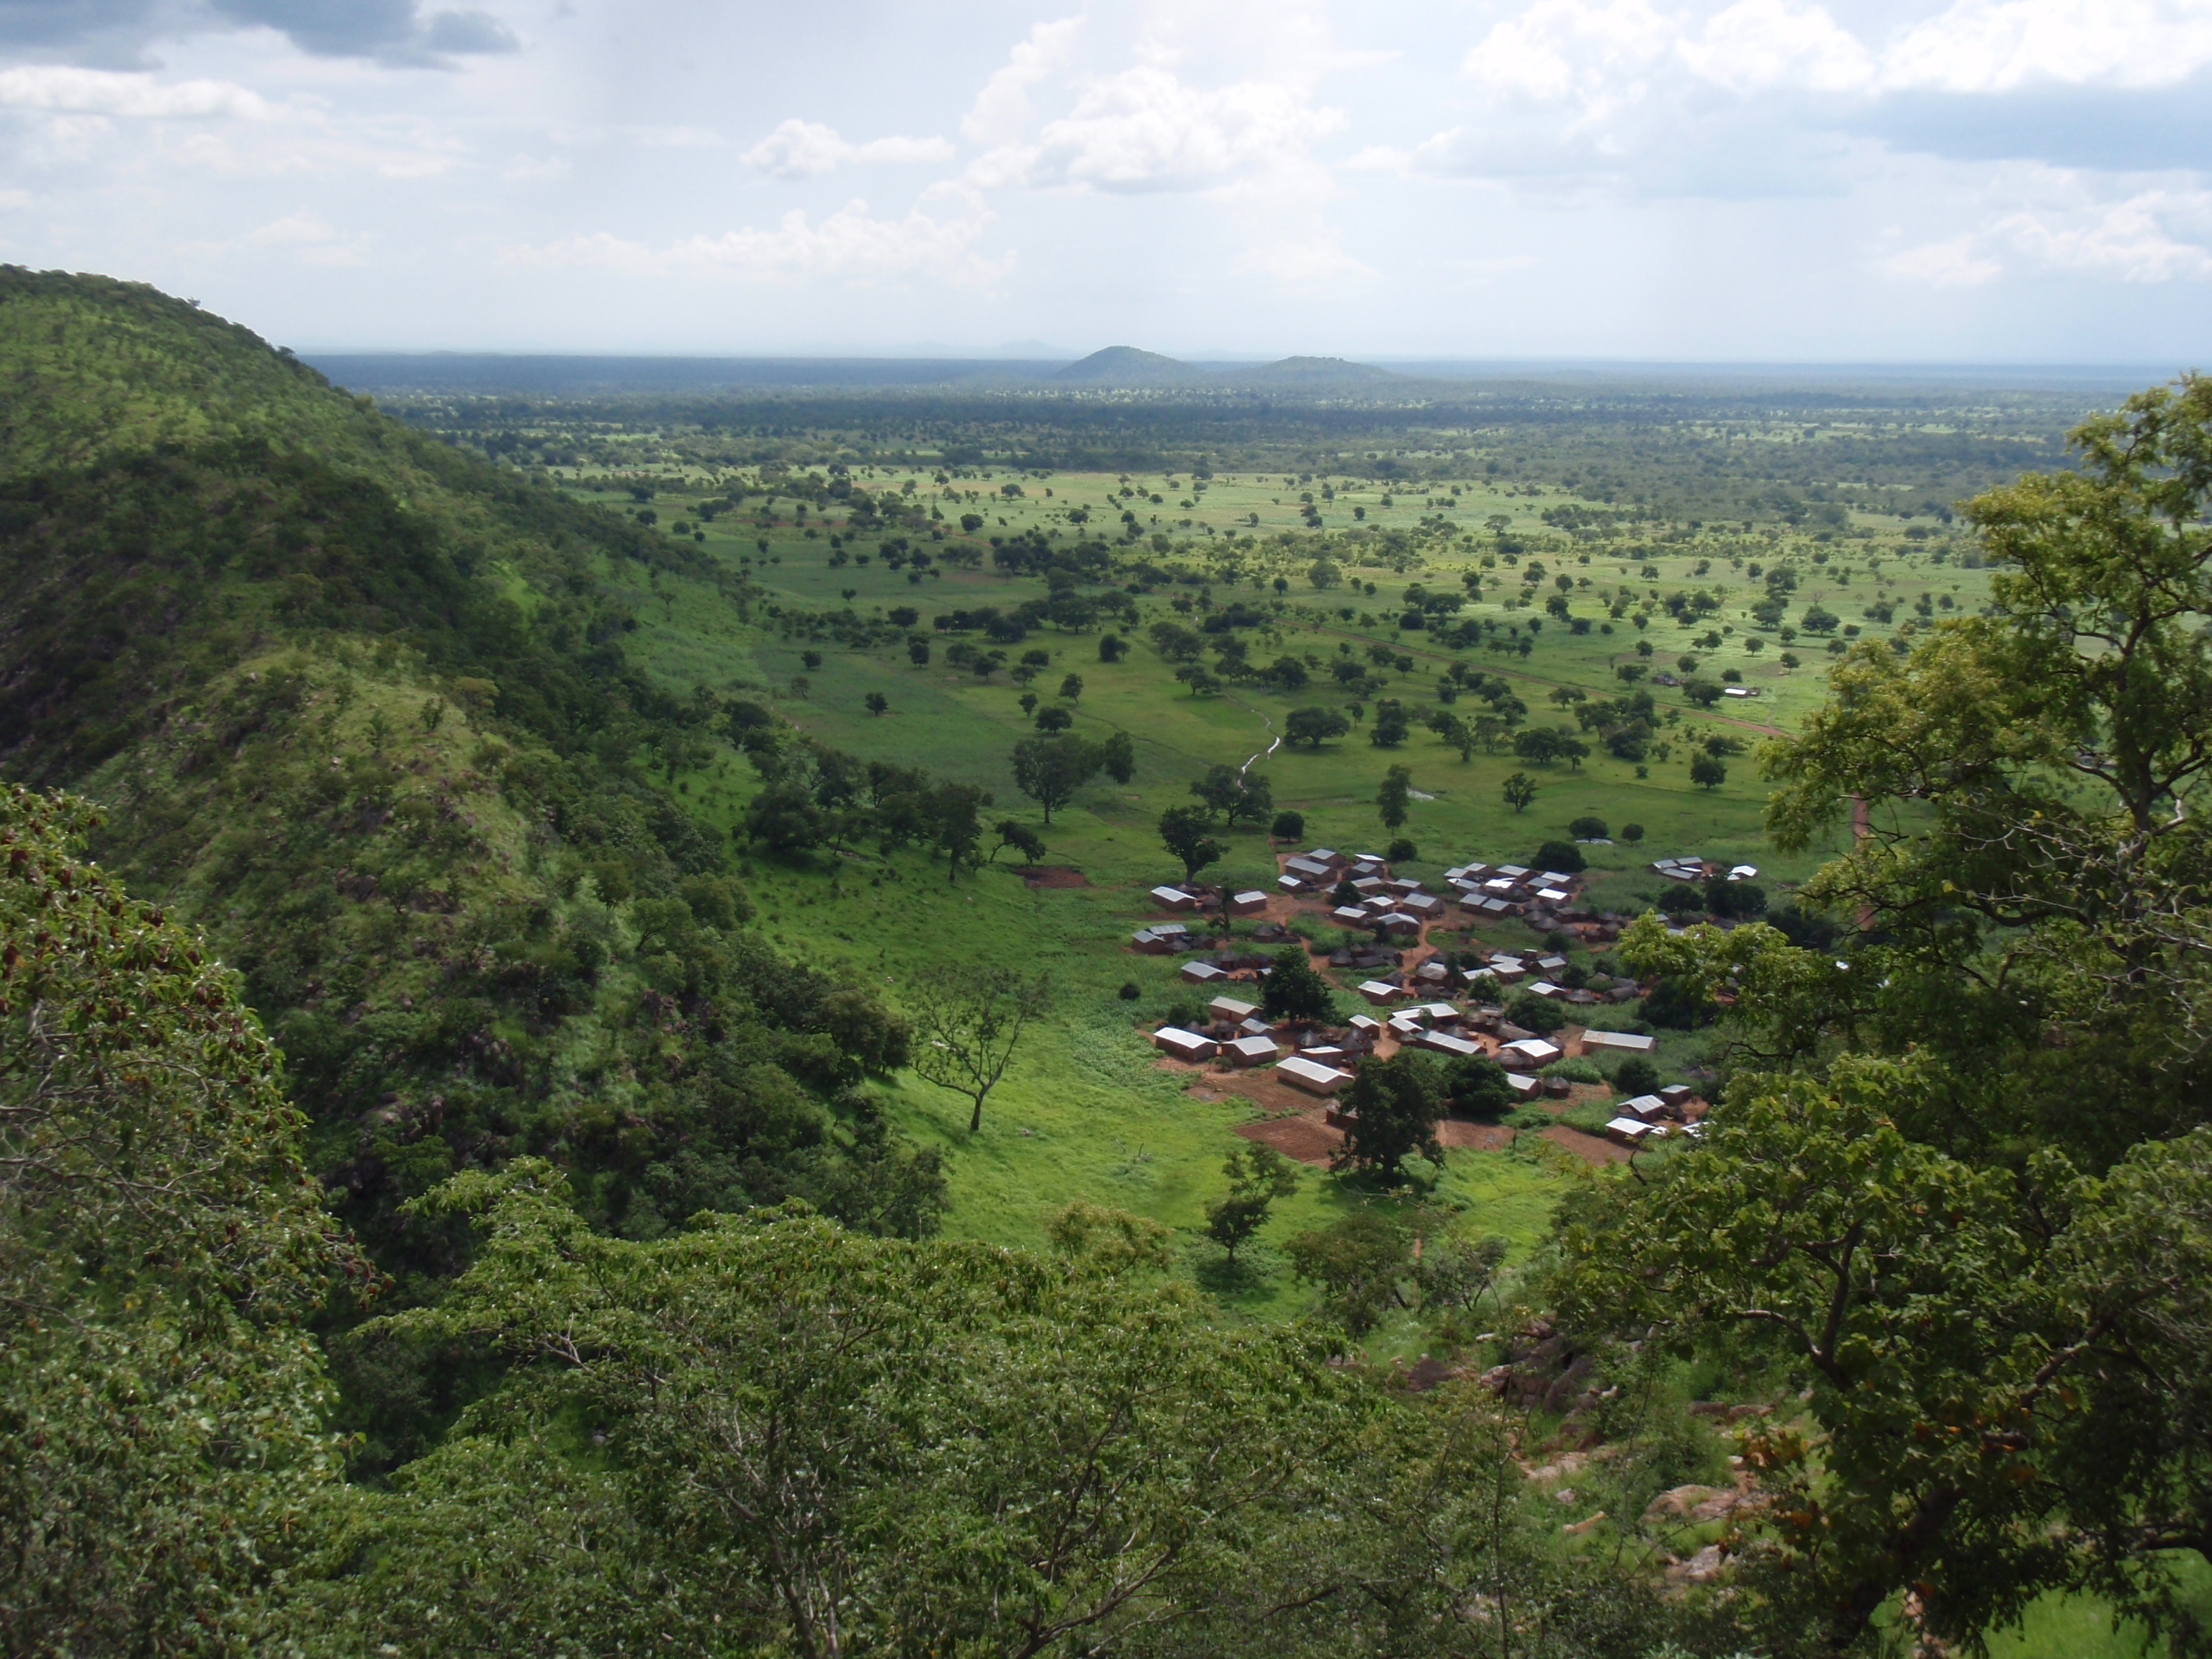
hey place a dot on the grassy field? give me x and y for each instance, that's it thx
(1084, 1113)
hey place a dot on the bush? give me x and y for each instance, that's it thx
(1130, 990)
(1635, 1076)
(1560, 855)
(1631, 833)
(1401, 851)
(1588, 828)
(1539, 1014)
(1288, 826)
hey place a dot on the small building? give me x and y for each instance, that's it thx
(1289, 885)
(1327, 857)
(1249, 902)
(1399, 922)
(1501, 886)
(1743, 872)
(1252, 1051)
(1618, 1043)
(1328, 1053)
(1406, 1026)
(1184, 1045)
(1554, 894)
(1643, 1108)
(1513, 872)
(1529, 1054)
(1678, 1094)
(1160, 939)
(1379, 991)
(1232, 1009)
(1366, 1027)
(1201, 973)
(1555, 878)
(1496, 909)
(1466, 871)
(1378, 904)
(1438, 1013)
(1427, 906)
(1524, 1086)
(1312, 871)
(1368, 887)
(1351, 915)
(1311, 1075)
(1443, 1042)
(1174, 898)
(1504, 975)
(1401, 885)
(1433, 972)
(1629, 1130)
(1558, 1088)
(1551, 964)
(1254, 1026)
(1544, 988)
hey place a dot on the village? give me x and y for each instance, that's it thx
(1448, 1000)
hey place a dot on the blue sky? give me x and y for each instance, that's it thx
(1763, 181)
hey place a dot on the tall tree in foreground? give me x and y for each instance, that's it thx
(1962, 1176)
(968, 1021)
(162, 1453)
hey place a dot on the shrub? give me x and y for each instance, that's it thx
(1130, 990)
(1635, 1076)
(1588, 828)
(1401, 851)
(1631, 833)
(1560, 855)
(1288, 826)
(1539, 1014)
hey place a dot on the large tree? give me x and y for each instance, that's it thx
(967, 1022)
(1962, 1174)
(1049, 769)
(1395, 1105)
(1187, 832)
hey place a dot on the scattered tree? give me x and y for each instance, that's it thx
(1293, 989)
(1187, 832)
(1520, 792)
(1395, 1106)
(1394, 800)
(1258, 1175)
(1314, 726)
(1049, 768)
(967, 1022)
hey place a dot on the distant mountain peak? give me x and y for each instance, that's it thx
(1123, 365)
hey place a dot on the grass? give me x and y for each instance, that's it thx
(1084, 1114)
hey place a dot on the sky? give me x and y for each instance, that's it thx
(1896, 181)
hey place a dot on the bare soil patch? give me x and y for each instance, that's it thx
(1308, 1139)
(1591, 1149)
(1482, 1137)
(1052, 875)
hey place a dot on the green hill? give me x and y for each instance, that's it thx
(356, 703)
(1128, 367)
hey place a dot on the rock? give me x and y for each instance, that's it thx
(1700, 1569)
(1681, 1500)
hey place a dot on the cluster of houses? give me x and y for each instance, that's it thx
(1693, 868)
(1655, 1117)
(1321, 1059)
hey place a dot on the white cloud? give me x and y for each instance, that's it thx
(1757, 45)
(1590, 52)
(1954, 264)
(849, 244)
(800, 149)
(2001, 45)
(1002, 111)
(1145, 129)
(2133, 240)
(105, 92)
(311, 236)
(1314, 262)
(2144, 239)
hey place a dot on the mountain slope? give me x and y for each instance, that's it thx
(1119, 366)
(356, 703)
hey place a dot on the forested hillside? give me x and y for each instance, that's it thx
(359, 707)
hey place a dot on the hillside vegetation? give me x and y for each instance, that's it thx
(359, 707)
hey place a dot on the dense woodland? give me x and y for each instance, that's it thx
(439, 1219)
